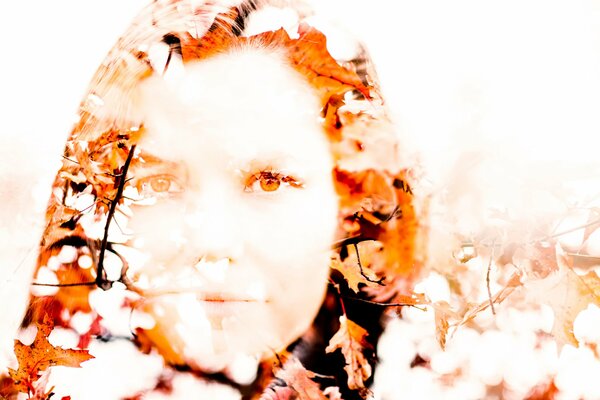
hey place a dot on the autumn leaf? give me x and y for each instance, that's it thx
(310, 57)
(308, 54)
(218, 38)
(351, 340)
(41, 355)
(443, 314)
(513, 283)
(39, 391)
(355, 273)
(299, 381)
(568, 294)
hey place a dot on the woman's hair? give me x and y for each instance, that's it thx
(374, 255)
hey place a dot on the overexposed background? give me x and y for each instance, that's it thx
(498, 100)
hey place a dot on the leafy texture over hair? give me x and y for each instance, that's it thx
(351, 340)
(39, 356)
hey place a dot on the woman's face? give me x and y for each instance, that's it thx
(237, 211)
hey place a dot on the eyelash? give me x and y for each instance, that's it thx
(269, 181)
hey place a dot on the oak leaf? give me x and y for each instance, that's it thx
(351, 340)
(355, 273)
(40, 355)
(299, 381)
(567, 293)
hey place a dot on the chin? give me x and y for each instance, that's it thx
(213, 336)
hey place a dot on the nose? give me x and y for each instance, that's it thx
(211, 220)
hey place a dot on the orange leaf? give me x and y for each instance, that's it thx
(568, 294)
(355, 272)
(299, 380)
(351, 340)
(310, 56)
(40, 355)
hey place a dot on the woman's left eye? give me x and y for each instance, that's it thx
(268, 181)
(158, 185)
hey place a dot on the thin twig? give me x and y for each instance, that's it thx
(379, 281)
(487, 280)
(100, 281)
(68, 159)
(384, 304)
(94, 283)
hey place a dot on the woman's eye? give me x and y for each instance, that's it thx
(267, 181)
(158, 185)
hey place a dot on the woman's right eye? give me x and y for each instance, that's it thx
(158, 185)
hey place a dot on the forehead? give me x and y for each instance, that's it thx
(247, 101)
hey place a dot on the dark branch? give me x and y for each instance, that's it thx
(100, 280)
(377, 281)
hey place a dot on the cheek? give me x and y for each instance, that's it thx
(298, 226)
(292, 246)
(158, 229)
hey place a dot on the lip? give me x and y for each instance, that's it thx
(208, 297)
(226, 298)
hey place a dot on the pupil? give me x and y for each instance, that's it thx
(269, 184)
(160, 184)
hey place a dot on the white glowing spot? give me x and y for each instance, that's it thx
(271, 19)
(142, 320)
(159, 311)
(84, 202)
(112, 266)
(67, 254)
(62, 337)
(53, 263)
(488, 354)
(46, 276)
(158, 54)
(435, 286)
(586, 325)
(243, 369)
(143, 282)
(131, 192)
(139, 243)
(215, 271)
(257, 291)
(27, 335)
(81, 322)
(106, 302)
(85, 261)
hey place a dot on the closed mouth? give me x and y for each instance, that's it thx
(203, 296)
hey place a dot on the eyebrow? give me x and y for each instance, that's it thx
(148, 161)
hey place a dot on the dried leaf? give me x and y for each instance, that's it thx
(41, 355)
(308, 54)
(568, 294)
(356, 272)
(299, 380)
(351, 340)
(443, 314)
(513, 283)
(592, 224)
